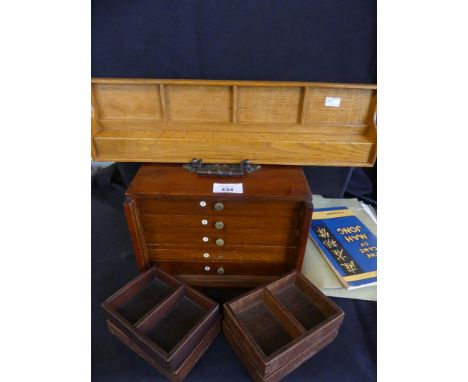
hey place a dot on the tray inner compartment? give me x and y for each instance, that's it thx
(301, 301)
(270, 329)
(145, 294)
(174, 319)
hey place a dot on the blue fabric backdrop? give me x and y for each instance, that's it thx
(314, 40)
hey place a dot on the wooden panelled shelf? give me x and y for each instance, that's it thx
(276, 328)
(287, 123)
(167, 323)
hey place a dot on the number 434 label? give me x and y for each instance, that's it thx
(228, 188)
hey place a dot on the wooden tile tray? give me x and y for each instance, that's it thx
(275, 328)
(181, 372)
(167, 323)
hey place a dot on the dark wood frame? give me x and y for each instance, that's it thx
(177, 362)
(134, 227)
(305, 342)
(184, 369)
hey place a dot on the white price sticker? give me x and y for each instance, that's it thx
(228, 188)
(332, 102)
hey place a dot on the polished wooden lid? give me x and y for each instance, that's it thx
(276, 182)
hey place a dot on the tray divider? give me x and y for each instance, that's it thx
(289, 322)
(204, 322)
(160, 309)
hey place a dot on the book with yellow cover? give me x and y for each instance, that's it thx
(348, 246)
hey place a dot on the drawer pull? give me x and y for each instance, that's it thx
(219, 242)
(205, 239)
(219, 225)
(207, 268)
(220, 271)
(202, 203)
(204, 222)
(219, 206)
(206, 255)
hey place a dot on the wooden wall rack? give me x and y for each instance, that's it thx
(287, 123)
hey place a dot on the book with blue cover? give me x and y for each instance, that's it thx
(348, 246)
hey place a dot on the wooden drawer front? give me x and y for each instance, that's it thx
(168, 222)
(243, 254)
(230, 207)
(210, 240)
(229, 268)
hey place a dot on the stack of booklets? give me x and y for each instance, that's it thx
(342, 253)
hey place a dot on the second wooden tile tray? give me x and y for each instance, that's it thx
(275, 328)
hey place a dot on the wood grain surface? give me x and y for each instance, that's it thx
(184, 369)
(229, 267)
(287, 123)
(246, 254)
(231, 222)
(277, 327)
(271, 182)
(176, 225)
(169, 322)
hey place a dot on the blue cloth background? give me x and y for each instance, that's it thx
(314, 40)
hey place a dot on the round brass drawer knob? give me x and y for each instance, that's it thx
(219, 242)
(220, 271)
(219, 225)
(219, 206)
